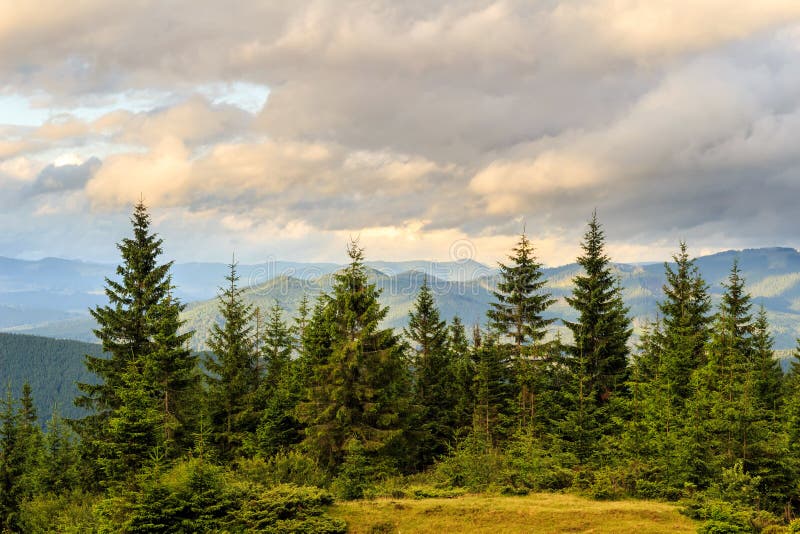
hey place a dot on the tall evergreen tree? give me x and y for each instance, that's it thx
(521, 299)
(602, 330)
(281, 389)
(685, 314)
(599, 352)
(768, 380)
(277, 346)
(233, 373)
(671, 350)
(433, 376)
(517, 314)
(463, 369)
(730, 384)
(765, 447)
(138, 331)
(59, 471)
(492, 387)
(12, 464)
(360, 387)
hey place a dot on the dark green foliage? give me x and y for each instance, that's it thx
(276, 349)
(661, 433)
(601, 333)
(288, 508)
(233, 374)
(517, 315)
(12, 463)
(50, 366)
(520, 299)
(59, 470)
(702, 413)
(463, 370)
(360, 387)
(434, 375)
(768, 377)
(139, 331)
(685, 316)
(599, 355)
(281, 389)
(133, 429)
(730, 384)
(493, 387)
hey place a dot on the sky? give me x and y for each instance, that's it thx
(427, 130)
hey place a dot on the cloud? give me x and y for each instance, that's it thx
(59, 178)
(161, 175)
(437, 120)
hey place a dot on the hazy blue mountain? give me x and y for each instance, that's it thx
(464, 289)
(51, 296)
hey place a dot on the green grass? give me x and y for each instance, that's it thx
(536, 513)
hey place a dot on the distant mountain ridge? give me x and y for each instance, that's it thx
(461, 288)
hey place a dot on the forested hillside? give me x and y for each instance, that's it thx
(50, 366)
(286, 413)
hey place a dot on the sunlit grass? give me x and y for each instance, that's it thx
(538, 513)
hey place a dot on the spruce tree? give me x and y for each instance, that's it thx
(281, 389)
(599, 353)
(766, 445)
(463, 369)
(730, 380)
(521, 299)
(671, 350)
(492, 388)
(12, 464)
(138, 331)
(768, 379)
(433, 376)
(276, 349)
(360, 387)
(59, 471)
(602, 329)
(30, 441)
(233, 373)
(517, 315)
(135, 428)
(685, 315)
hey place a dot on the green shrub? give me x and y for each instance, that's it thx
(719, 514)
(720, 527)
(69, 513)
(359, 472)
(288, 508)
(530, 466)
(284, 468)
(474, 464)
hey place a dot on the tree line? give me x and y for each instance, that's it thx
(698, 410)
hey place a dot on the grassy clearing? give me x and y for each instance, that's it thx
(540, 513)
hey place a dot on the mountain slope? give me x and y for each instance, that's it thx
(51, 366)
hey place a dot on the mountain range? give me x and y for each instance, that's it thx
(50, 297)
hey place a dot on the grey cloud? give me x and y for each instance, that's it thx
(54, 179)
(470, 116)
